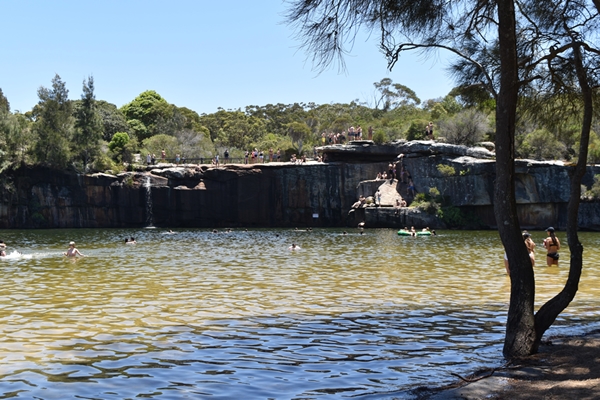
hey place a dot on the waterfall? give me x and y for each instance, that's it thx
(149, 216)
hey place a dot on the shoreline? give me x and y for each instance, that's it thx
(564, 367)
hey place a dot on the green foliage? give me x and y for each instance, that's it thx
(298, 132)
(541, 145)
(379, 137)
(428, 202)
(4, 104)
(119, 141)
(446, 170)
(88, 126)
(157, 143)
(592, 193)
(122, 147)
(103, 163)
(468, 127)
(434, 193)
(393, 95)
(148, 109)
(416, 131)
(192, 144)
(53, 127)
(15, 137)
(113, 120)
(593, 148)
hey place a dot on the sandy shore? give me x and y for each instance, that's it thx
(564, 368)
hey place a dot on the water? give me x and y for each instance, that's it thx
(237, 315)
(149, 214)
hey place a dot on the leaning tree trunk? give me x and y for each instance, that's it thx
(548, 312)
(520, 326)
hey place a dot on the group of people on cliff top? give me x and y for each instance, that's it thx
(352, 134)
(258, 156)
(550, 243)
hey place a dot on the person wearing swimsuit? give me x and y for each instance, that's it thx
(530, 244)
(72, 251)
(552, 245)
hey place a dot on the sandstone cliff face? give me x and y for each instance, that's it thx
(279, 194)
(261, 195)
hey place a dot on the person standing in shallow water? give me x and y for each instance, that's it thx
(552, 245)
(72, 251)
(530, 244)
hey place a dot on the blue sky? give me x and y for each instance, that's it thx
(199, 54)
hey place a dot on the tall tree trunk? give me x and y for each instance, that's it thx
(548, 312)
(520, 327)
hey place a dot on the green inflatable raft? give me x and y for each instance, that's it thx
(403, 232)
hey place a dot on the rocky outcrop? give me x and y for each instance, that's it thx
(282, 194)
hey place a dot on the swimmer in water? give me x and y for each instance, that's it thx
(294, 247)
(72, 251)
(130, 241)
(2, 248)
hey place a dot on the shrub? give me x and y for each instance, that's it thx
(593, 192)
(465, 128)
(416, 131)
(446, 170)
(379, 137)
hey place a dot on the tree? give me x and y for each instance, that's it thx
(298, 131)
(88, 126)
(483, 35)
(15, 135)
(392, 95)
(53, 125)
(122, 147)
(147, 110)
(113, 120)
(4, 104)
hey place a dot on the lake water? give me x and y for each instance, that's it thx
(238, 315)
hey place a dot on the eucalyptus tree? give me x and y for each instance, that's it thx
(499, 48)
(392, 95)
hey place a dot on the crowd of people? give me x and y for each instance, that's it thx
(351, 135)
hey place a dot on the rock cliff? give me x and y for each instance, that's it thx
(281, 194)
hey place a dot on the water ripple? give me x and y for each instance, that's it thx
(238, 315)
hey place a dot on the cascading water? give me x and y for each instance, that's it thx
(149, 216)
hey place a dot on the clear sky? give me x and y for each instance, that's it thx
(199, 54)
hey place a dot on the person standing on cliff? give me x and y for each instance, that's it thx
(163, 155)
(225, 157)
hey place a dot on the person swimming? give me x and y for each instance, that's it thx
(294, 246)
(2, 248)
(130, 241)
(72, 251)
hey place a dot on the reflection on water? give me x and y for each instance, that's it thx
(237, 315)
